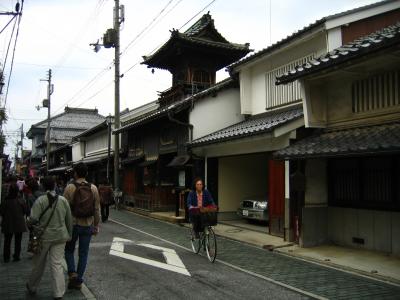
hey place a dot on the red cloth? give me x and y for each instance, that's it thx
(200, 199)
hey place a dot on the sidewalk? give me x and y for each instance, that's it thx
(368, 263)
(13, 277)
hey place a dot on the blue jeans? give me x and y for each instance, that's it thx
(84, 234)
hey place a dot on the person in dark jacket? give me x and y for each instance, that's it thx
(32, 192)
(197, 198)
(13, 210)
(106, 198)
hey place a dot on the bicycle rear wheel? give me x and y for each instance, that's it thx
(196, 243)
(211, 245)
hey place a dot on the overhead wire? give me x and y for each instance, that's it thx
(187, 22)
(141, 33)
(8, 23)
(125, 49)
(146, 27)
(9, 44)
(80, 33)
(13, 54)
(96, 77)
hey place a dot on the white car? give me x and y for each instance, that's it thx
(254, 208)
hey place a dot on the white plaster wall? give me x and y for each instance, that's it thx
(334, 37)
(263, 143)
(214, 113)
(77, 151)
(252, 77)
(97, 143)
(239, 177)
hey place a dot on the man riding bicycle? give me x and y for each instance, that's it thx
(197, 199)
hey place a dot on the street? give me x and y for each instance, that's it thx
(114, 277)
(124, 264)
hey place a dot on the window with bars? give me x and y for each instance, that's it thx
(279, 95)
(367, 182)
(376, 92)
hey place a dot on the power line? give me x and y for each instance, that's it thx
(80, 33)
(59, 67)
(95, 94)
(8, 24)
(13, 55)
(203, 9)
(9, 44)
(96, 77)
(187, 22)
(146, 27)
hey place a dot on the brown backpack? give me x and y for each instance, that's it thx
(83, 205)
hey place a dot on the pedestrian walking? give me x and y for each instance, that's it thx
(12, 210)
(106, 194)
(52, 213)
(85, 207)
(31, 192)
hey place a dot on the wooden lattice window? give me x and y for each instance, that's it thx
(279, 95)
(367, 182)
(376, 92)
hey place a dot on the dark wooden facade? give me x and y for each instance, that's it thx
(148, 181)
(158, 140)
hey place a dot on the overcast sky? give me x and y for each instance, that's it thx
(56, 34)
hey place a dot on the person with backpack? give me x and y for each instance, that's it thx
(52, 214)
(84, 200)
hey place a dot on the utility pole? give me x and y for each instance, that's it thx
(46, 103)
(22, 139)
(112, 39)
(117, 100)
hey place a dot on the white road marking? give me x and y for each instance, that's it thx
(173, 262)
(289, 287)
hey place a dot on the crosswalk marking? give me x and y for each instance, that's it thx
(173, 262)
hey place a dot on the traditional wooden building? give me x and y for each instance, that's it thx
(350, 163)
(154, 141)
(239, 158)
(63, 127)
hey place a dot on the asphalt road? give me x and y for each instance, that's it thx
(137, 271)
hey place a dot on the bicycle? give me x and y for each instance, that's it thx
(207, 239)
(118, 199)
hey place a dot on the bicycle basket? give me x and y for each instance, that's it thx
(209, 218)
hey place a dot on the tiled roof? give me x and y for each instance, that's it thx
(69, 124)
(378, 40)
(253, 126)
(200, 25)
(73, 118)
(303, 31)
(160, 112)
(355, 141)
(62, 136)
(201, 33)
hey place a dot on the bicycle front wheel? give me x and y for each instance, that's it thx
(196, 243)
(211, 245)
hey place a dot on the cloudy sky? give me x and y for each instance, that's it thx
(56, 34)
